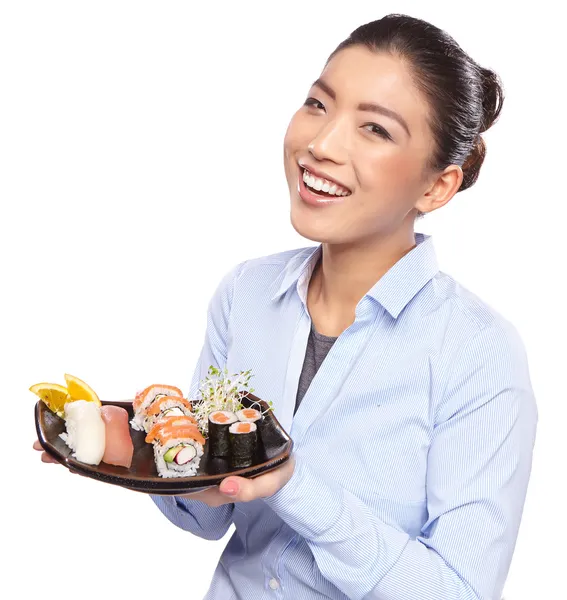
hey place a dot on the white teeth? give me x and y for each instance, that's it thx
(323, 185)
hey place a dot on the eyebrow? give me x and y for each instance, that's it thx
(366, 106)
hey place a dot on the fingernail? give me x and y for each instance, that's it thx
(231, 489)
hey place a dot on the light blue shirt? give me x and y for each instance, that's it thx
(413, 443)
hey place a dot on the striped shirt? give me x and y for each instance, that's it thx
(413, 443)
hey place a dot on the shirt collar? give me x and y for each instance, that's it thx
(393, 291)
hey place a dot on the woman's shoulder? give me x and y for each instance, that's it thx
(484, 355)
(282, 259)
(462, 300)
(470, 320)
(271, 268)
(261, 274)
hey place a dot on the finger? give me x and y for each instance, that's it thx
(37, 445)
(46, 458)
(240, 489)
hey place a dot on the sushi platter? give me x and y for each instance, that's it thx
(161, 443)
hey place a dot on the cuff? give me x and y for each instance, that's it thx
(294, 502)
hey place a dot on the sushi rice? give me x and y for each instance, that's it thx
(86, 434)
(172, 469)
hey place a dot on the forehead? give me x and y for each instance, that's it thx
(360, 75)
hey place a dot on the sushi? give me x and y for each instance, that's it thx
(242, 438)
(249, 415)
(166, 406)
(178, 446)
(119, 448)
(219, 422)
(144, 399)
(85, 434)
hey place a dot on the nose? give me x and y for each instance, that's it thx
(330, 143)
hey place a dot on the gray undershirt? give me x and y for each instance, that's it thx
(318, 346)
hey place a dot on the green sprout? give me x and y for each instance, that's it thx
(220, 391)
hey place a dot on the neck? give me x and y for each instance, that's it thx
(348, 271)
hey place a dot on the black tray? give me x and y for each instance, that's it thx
(274, 449)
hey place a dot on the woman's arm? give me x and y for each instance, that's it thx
(192, 515)
(478, 470)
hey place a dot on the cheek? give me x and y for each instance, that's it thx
(293, 135)
(390, 175)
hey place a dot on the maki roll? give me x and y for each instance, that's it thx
(145, 398)
(219, 422)
(249, 415)
(178, 447)
(166, 406)
(242, 439)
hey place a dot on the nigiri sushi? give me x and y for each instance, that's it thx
(85, 434)
(119, 448)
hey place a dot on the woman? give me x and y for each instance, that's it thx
(408, 399)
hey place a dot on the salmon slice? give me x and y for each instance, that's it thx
(220, 417)
(244, 427)
(176, 420)
(141, 396)
(155, 407)
(250, 413)
(118, 449)
(174, 427)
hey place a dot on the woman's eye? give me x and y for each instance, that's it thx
(378, 130)
(315, 103)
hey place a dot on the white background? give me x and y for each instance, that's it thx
(141, 158)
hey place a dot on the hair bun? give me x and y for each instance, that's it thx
(492, 98)
(471, 166)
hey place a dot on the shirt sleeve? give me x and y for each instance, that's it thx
(479, 464)
(191, 515)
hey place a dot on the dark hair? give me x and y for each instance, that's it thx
(466, 99)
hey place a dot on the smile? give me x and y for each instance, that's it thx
(319, 184)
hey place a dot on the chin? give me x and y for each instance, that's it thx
(311, 227)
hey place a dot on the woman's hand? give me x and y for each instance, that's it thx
(241, 489)
(44, 456)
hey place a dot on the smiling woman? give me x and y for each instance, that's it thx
(408, 398)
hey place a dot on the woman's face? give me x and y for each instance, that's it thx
(363, 132)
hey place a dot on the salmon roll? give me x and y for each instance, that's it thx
(219, 422)
(178, 447)
(249, 415)
(166, 406)
(243, 441)
(144, 400)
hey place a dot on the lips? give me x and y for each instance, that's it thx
(313, 198)
(319, 174)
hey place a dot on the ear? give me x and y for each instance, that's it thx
(443, 188)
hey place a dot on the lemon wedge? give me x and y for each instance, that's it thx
(54, 395)
(79, 390)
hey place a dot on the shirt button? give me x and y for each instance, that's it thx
(274, 584)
